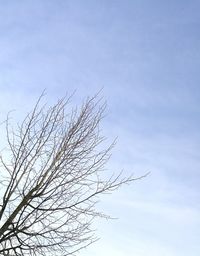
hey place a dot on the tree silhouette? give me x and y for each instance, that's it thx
(52, 180)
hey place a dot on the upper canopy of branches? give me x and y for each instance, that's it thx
(53, 179)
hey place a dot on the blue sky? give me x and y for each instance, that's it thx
(146, 57)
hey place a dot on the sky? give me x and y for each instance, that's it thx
(145, 57)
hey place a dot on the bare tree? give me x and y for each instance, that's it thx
(52, 180)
